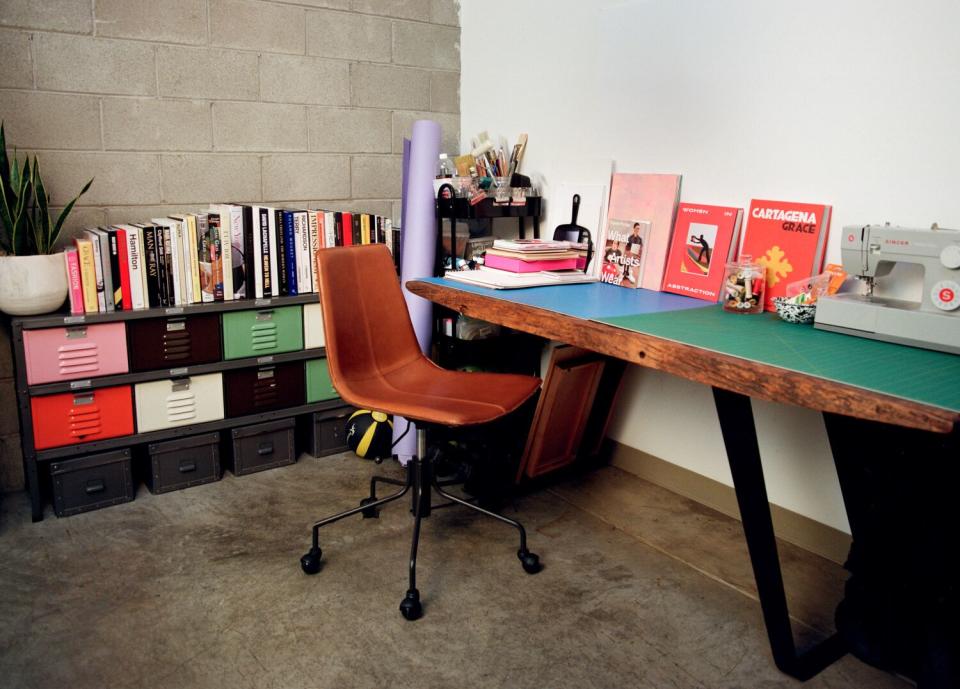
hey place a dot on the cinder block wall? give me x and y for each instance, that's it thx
(173, 104)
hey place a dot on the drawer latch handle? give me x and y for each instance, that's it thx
(187, 466)
(265, 449)
(95, 486)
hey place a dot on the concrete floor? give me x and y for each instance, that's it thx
(202, 588)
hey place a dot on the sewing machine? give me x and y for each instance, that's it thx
(871, 252)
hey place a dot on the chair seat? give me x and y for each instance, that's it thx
(422, 391)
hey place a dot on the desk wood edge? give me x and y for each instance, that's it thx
(754, 379)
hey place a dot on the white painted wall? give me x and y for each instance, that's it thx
(854, 103)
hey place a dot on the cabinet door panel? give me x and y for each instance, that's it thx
(158, 343)
(86, 351)
(81, 417)
(319, 387)
(262, 332)
(179, 402)
(252, 390)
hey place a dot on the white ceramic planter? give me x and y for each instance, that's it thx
(31, 285)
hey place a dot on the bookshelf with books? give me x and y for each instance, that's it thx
(208, 376)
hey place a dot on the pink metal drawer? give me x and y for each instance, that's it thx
(85, 351)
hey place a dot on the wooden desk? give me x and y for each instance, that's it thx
(628, 325)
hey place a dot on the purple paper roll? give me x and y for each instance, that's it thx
(418, 245)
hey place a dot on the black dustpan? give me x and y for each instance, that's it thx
(572, 232)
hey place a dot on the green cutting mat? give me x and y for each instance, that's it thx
(916, 374)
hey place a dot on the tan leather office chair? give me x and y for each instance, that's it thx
(375, 363)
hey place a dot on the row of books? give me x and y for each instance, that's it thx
(230, 252)
(651, 240)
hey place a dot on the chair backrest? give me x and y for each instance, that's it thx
(365, 320)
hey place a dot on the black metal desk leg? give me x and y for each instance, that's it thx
(743, 453)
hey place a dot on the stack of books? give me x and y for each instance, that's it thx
(531, 255)
(230, 252)
(517, 263)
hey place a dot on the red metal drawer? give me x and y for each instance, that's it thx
(85, 351)
(81, 417)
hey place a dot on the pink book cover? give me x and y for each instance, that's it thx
(652, 198)
(515, 265)
(75, 291)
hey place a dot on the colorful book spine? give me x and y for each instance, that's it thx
(192, 244)
(243, 270)
(123, 247)
(345, 229)
(172, 245)
(108, 274)
(357, 234)
(152, 267)
(118, 260)
(75, 291)
(250, 220)
(231, 249)
(290, 253)
(203, 254)
(262, 249)
(135, 265)
(273, 253)
(88, 275)
(182, 234)
(315, 219)
(365, 229)
(330, 229)
(301, 233)
(215, 245)
(98, 269)
(166, 254)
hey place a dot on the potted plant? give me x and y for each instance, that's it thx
(33, 279)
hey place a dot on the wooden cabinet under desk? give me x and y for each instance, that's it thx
(126, 380)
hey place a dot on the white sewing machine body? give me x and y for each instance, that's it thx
(870, 252)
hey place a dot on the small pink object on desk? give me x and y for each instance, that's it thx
(516, 265)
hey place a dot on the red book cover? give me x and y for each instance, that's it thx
(789, 239)
(704, 238)
(348, 229)
(645, 198)
(124, 269)
(72, 262)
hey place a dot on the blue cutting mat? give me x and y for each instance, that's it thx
(591, 301)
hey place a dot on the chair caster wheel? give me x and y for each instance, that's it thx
(530, 561)
(310, 562)
(410, 606)
(370, 512)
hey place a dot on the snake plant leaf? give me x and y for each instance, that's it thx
(55, 235)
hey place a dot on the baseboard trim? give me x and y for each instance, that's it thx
(792, 527)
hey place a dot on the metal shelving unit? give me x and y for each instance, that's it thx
(35, 461)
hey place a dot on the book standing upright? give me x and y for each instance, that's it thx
(638, 199)
(704, 239)
(788, 239)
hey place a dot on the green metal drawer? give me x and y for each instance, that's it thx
(262, 332)
(319, 387)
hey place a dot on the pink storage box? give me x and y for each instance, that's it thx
(86, 351)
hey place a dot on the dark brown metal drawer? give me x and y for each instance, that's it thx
(157, 343)
(254, 390)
